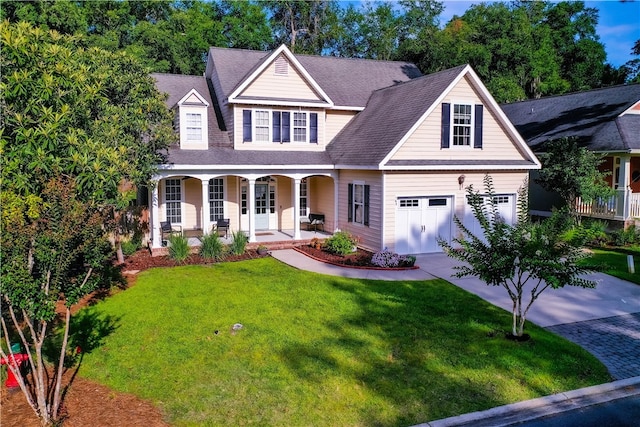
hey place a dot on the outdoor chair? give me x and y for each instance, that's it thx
(167, 228)
(222, 226)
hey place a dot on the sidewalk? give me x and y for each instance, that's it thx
(605, 321)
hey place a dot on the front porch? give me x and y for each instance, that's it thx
(624, 206)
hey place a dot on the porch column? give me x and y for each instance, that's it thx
(205, 207)
(156, 237)
(296, 209)
(624, 179)
(251, 201)
(336, 198)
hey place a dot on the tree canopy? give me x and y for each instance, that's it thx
(521, 49)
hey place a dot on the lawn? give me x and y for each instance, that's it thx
(614, 262)
(317, 350)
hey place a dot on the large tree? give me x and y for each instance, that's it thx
(77, 125)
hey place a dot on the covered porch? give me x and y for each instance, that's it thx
(268, 206)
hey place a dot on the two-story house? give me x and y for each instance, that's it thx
(380, 150)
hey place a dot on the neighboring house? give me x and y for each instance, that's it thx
(605, 121)
(267, 138)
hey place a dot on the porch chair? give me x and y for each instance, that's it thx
(222, 225)
(167, 228)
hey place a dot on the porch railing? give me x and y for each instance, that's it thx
(634, 207)
(599, 208)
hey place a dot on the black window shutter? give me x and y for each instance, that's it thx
(446, 123)
(350, 204)
(276, 126)
(286, 133)
(366, 205)
(477, 136)
(246, 125)
(313, 127)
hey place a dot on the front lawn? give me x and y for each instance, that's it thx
(614, 262)
(318, 350)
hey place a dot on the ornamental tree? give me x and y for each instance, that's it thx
(525, 259)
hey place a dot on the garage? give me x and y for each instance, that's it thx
(506, 209)
(420, 221)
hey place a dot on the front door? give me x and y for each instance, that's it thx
(262, 206)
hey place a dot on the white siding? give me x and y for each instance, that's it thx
(424, 143)
(399, 184)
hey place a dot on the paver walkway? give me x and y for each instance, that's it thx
(614, 340)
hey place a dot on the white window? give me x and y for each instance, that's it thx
(358, 203)
(262, 125)
(461, 125)
(194, 127)
(173, 199)
(299, 127)
(216, 199)
(304, 203)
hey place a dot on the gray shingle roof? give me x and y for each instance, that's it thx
(347, 81)
(388, 116)
(224, 156)
(590, 116)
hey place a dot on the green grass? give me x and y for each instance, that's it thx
(318, 350)
(614, 262)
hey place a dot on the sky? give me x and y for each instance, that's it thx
(618, 26)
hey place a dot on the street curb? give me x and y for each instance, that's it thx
(507, 415)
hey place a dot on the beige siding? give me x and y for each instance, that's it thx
(370, 237)
(232, 205)
(424, 143)
(192, 206)
(400, 184)
(288, 146)
(284, 204)
(321, 199)
(336, 121)
(291, 86)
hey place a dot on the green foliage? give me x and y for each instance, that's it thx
(178, 248)
(572, 171)
(341, 243)
(212, 246)
(320, 350)
(130, 246)
(625, 236)
(238, 244)
(591, 232)
(525, 259)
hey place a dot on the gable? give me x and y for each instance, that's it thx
(424, 143)
(280, 81)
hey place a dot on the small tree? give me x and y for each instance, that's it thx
(572, 172)
(525, 259)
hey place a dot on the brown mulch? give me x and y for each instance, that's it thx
(360, 258)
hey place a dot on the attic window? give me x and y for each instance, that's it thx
(281, 66)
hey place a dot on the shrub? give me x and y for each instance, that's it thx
(316, 243)
(590, 233)
(179, 248)
(341, 243)
(238, 243)
(624, 237)
(129, 247)
(407, 261)
(212, 246)
(390, 259)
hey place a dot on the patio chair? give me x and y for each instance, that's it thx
(222, 225)
(167, 228)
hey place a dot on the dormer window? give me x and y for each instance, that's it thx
(194, 127)
(192, 119)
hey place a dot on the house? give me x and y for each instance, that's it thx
(605, 121)
(377, 149)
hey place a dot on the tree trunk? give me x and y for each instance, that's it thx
(65, 339)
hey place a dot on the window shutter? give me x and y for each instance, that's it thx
(446, 123)
(477, 135)
(286, 133)
(246, 125)
(350, 204)
(366, 205)
(276, 127)
(313, 128)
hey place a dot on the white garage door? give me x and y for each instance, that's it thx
(506, 209)
(420, 221)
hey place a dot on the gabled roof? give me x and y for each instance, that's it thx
(592, 116)
(347, 82)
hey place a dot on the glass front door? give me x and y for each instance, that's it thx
(262, 206)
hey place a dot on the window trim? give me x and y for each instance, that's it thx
(212, 215)
(286, 132)
(304, 184)
(470, 125)
(190, 126)
(179, 201)
(366, 203)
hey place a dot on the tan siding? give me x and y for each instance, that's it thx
(370, 237)
(231, 208)
(192, 206)
(284, 203)
(321, 199)
(424, 143)
(336, 121)
(291, 86)
(441, 184)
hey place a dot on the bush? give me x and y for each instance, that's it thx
(590, 233)
(341, 243)
(212, 246)
(179, 248)
(129, 247)
(390, 259)
(624, 237)
(239, 242)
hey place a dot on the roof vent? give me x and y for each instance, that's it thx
(281, 66)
